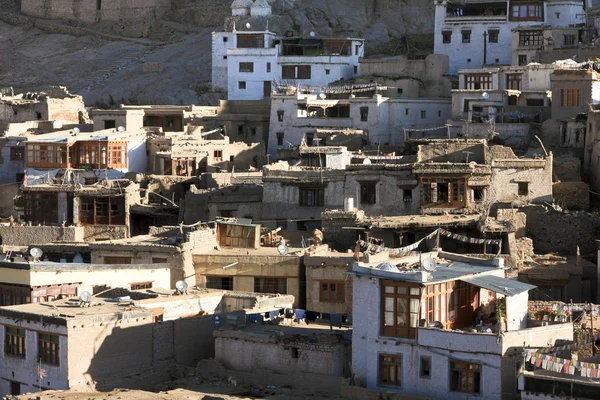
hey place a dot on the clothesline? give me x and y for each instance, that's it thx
(376, 245)
(552, 363)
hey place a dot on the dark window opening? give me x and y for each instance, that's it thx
(522, 59)
(368, 192)
(477, 194)
(270, 285)
(17, 153)
(246, 67)
(98, 4)
(38, 115)
(466, 36)
(219, 282)
(312, 196)
(279, 138)
(225, 39)
(523, 188)
(425, 371)
(513, 100)
(242, 85)
(493, 36)
(407, 195)
(364, 114)
(295, 353)
(446, 36)
(110, 124)
(280, 114)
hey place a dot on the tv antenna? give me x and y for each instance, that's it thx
(181, 287)
(85, 297)
(36, 253)
(429, 264)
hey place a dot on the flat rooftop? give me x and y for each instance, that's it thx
(261, 251)
(433, 221)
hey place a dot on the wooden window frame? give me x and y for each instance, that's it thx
(570, 40)
(160, 260)
(430, 196)
(531, 38)
(513, 81)
(570, 98)
(396, 327)
(90, 154)
(117, 155)
(15, 341)
(386, 361)
(364, 114)
(47, 155)
(218, 155)
(296, 71)
(465, 372)
(49, 348)
(41, 207)
(17, 153)
(435, 305)
(325, 295)
(479, 82)
(526, 10)
(493, 35)
(246, 67)
(102, 210)
(311, 196)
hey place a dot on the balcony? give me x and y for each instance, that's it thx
(459, 341)
(475, 19)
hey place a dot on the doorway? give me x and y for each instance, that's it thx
(267, 89)
(15, 388)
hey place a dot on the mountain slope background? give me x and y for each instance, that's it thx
(168, 61)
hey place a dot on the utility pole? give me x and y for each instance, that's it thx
(485, 34)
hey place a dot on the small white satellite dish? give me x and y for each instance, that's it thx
(76, 130)
(121, 129)
(367, 161)
(283, 249)
(181, 286)
(429, 264)
(312, 34)
(485, 95)
(248, 25)
(85, 297)
(322, 96)
(36, 253)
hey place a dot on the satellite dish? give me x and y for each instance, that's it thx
(312, 34)
(85, 297)
(181, 286)
(121, 129)
(485, 95)
(76, 130)
(429, 264)
(248, 25)
(367, 161)
(322, 96)
(36, 253)
(283, 249)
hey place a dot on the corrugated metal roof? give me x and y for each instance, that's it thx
(507, 287)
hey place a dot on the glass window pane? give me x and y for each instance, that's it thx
(389, 289)
(402, 290)
(414, 291)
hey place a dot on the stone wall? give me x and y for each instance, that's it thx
(560, 232)
(34, 235)
(572, 195)
(91, 11)
(333, 229)
(105, 232)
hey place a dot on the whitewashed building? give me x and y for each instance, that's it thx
(418, 333)
(474, 33)
(297, 116)
(246, 63)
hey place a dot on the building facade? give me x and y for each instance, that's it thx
(475, 33)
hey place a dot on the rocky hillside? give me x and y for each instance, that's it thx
(168, 61)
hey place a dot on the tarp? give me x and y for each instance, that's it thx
(507, 287)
